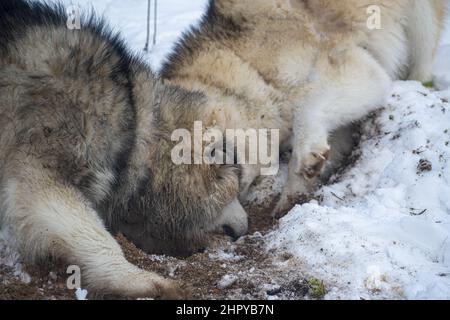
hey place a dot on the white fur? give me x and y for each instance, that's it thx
(422, 35)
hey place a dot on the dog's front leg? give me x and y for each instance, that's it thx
(310, 151)
(347, 86)
(423, 32)
(249, 173)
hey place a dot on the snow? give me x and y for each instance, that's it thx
(382, 229)
(81, 294)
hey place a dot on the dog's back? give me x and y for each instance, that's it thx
(402, 34)
(404, 42)
(50, 74)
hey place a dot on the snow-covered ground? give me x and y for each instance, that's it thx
(382, 230)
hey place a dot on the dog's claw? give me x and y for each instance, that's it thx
(319, 156)
(315, 163)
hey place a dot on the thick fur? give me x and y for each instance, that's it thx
(306, 67)
(85, 146)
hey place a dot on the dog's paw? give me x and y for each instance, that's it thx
(296, 191)
(314, 163)
(282, 208)
(170, 290)
(288, 202)
(149, 285)
(125, 280)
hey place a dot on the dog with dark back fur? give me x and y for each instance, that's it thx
(85, 148)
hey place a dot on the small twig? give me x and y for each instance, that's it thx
(335, 195)
(419, 213)
(155, 21)
(148, 25)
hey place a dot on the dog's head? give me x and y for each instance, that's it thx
(177, 204)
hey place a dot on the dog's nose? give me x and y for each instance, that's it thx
(234, 220)
(229, 231)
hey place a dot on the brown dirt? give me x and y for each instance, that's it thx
(45, 284)
(256, 273)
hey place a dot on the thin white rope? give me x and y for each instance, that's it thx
(148, 25)
(155, 27)
(155, 23)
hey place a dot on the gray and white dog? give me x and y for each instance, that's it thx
(85, 148)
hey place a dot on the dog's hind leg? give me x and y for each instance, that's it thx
(347, 87)
(51, 218)
(423, 36)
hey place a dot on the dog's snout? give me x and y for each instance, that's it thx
(234, 220)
